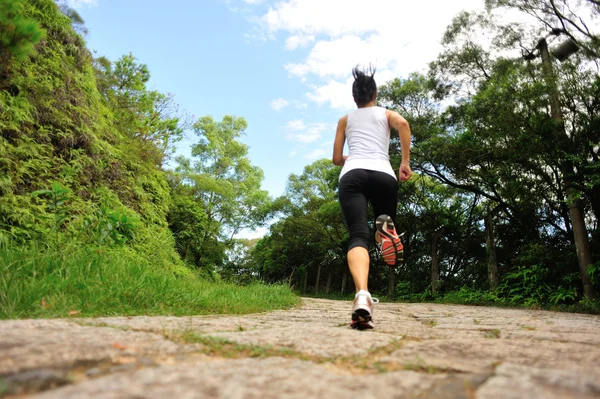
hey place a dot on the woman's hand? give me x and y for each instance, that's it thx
(405, 172)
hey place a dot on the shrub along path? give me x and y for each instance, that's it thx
(416, 351)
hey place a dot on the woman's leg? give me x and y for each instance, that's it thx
(358, 262)
(354, 206)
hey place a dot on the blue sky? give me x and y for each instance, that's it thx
(284, 65)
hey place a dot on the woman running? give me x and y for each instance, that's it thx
(367, 175)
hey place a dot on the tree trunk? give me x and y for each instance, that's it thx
(582, 245)
(435, 266)
(328, 285)
(318, 278)
(305, 282)
(576, 212)
(491, 252)
(391, 283)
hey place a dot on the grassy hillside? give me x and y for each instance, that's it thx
(83, 197)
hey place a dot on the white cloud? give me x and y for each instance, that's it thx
(315, 16)
(300, 105)
(278, 104)
(316, 154)
(403, 18)
(300, 132)
(293, 42)
(337, 94)
(396, 36)
(292, 154)
(336, 57)
(296, 124)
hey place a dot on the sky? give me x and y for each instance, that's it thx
(283, 65)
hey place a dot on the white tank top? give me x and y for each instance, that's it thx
(368, 136)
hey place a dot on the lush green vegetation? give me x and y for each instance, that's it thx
(85, 282)
(92, 223)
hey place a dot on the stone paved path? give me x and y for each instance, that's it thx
(416, 351)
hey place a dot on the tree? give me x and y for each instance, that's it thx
(238, 267)
(425, 205)
(310, 233)
(187, 218)
(149, 118)
(223, 182)
(575, 19)
(511, 156)
(490, 244)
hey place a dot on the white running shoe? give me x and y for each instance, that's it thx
(362, 311)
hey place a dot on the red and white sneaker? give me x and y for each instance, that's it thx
(391, 246)
(362, 311)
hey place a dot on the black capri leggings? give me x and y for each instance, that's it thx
(359, 186)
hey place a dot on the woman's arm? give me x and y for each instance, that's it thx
(396, 121)
(338, 144)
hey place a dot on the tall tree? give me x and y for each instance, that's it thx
(512, 155)
(310, 233)
(221, 179)
(424, 204)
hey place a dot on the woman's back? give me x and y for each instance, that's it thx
(368, 134)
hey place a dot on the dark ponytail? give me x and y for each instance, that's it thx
(364, 87)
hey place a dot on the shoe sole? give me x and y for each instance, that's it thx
(379, 225)
(361, 320)
(362, 326)
(361, 315)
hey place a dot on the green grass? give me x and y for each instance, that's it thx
(41, 283)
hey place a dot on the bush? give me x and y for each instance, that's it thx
(470, 296)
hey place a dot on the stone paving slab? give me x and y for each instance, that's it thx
(262, 378)
(512, 381)
(330, 342)
(416, 350)
(32, 344)
(476, 355)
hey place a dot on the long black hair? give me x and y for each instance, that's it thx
(364, 86)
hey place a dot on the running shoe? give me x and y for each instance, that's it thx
(391, 246)
(362, 311)
(362, 325)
